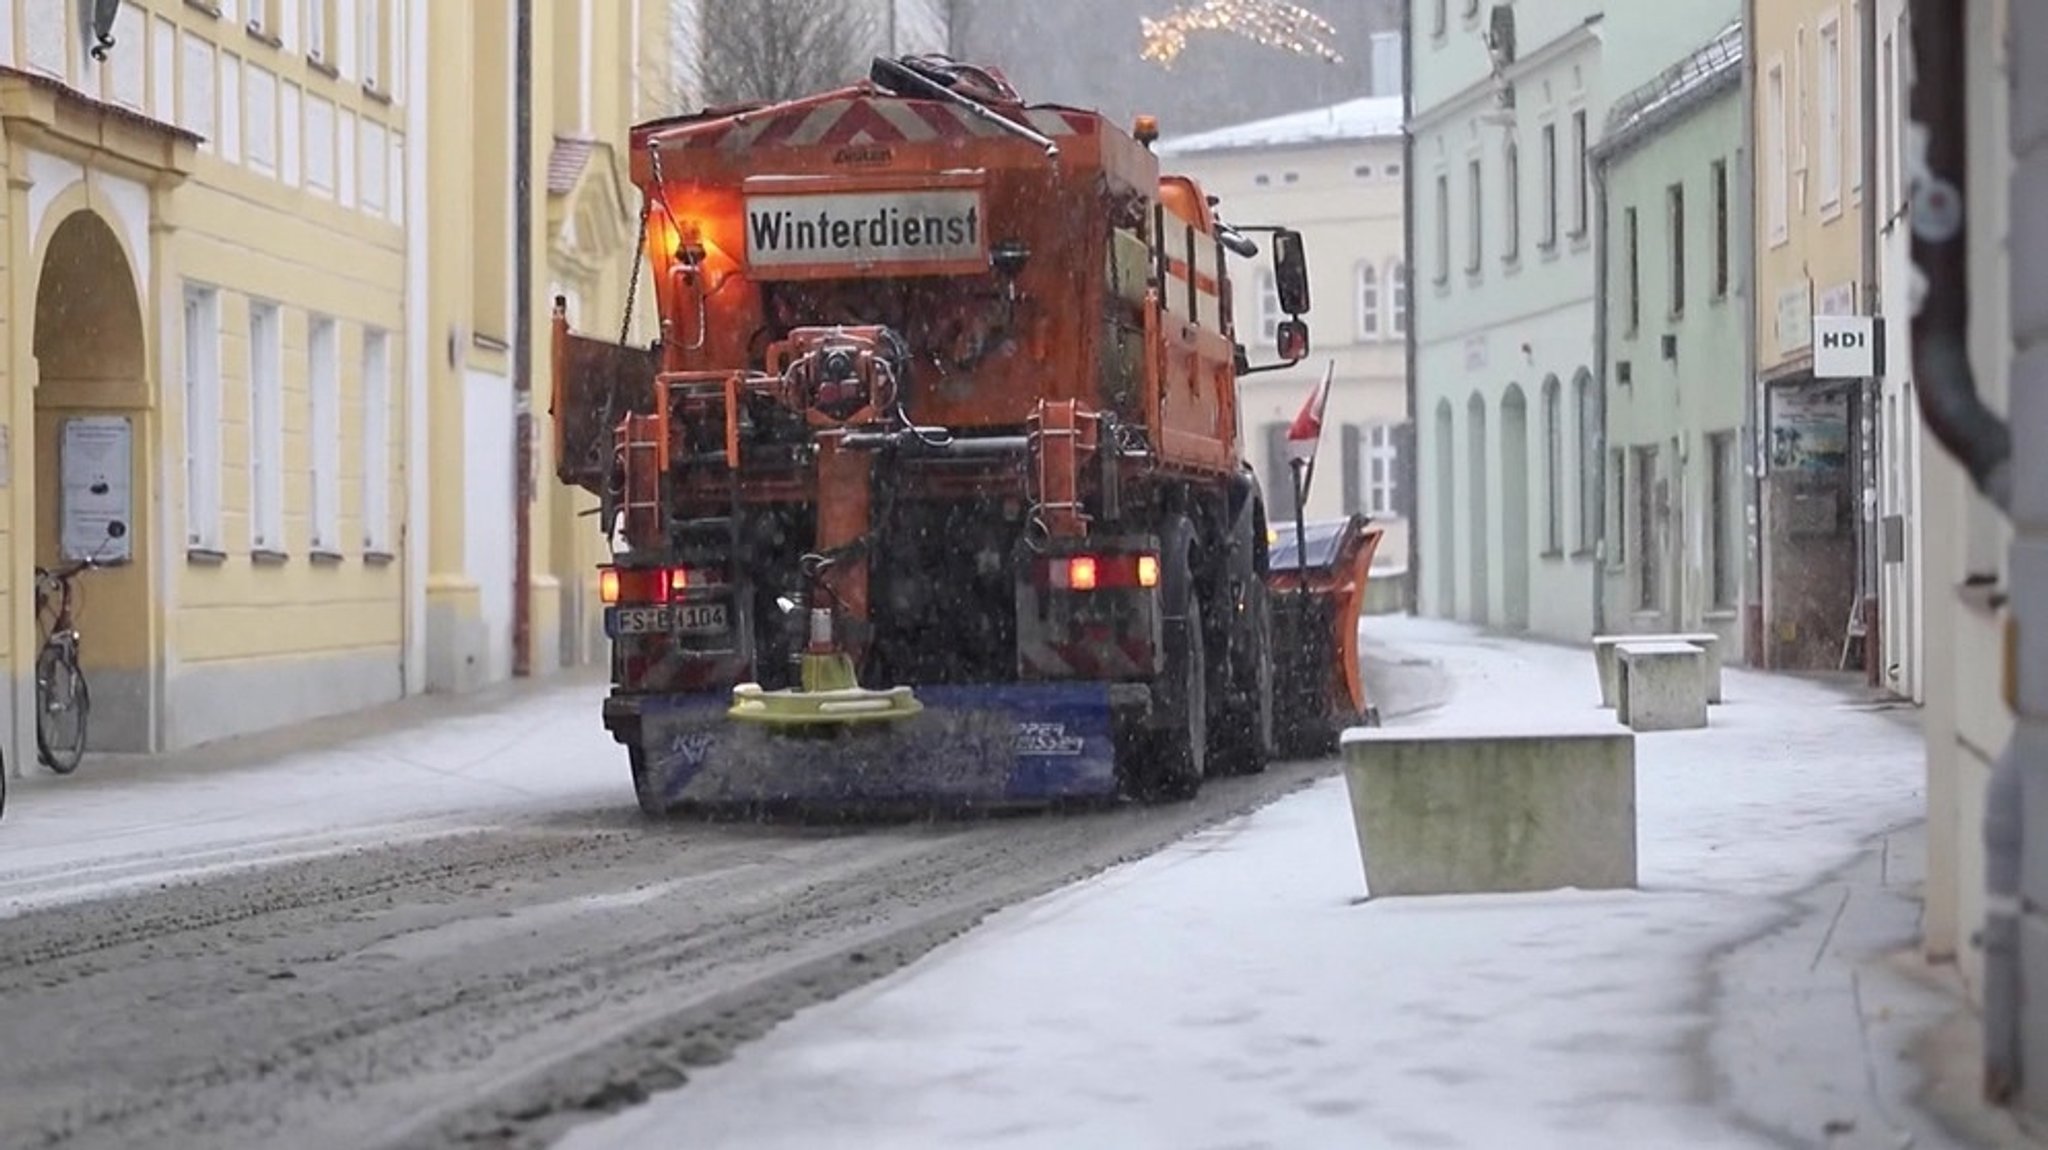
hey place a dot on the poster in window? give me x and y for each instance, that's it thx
(1809, 431)
(96, 490)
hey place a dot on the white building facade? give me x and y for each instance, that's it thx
(1335, 174)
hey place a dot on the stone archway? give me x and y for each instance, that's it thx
(1514, 507)
(91, 405)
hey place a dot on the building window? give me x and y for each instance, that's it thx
(1269, 306)
(1631, 281)
(1617, 519)
(1397, 288)
(1382, 471)
(1588, 454)
(202, 418)
(1830, 94)
(1582, 176)
(1362, 171)
(1443, 227)
(376, 424)
(324, 429)
(1674, 222)
(1776, 161)
(1368, 301)
(1549, 162)
(1888, 107)
(1553, 466)
(266, 427)
(1721, 235)
(1722, 506)
(1852, 101)
(1438, 20)
(317, 29)
(375, 41)
(1648, 575)
(1511, 201)
(1475, 207)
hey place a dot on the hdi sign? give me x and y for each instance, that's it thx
(1847, 346)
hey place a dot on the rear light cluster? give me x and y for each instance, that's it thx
(651, 584)
(1103, 572)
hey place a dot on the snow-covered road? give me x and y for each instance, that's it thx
(1233, 992)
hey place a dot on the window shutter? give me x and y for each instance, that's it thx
(1354, 471)
(1279, 477)
(1404, 458)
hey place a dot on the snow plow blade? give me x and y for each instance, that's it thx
(1319, 687)
(967, 748)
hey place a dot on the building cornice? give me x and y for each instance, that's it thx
(1579, 36)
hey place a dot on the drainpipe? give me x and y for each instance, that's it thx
(1597, 467)
(1873, 388)
(1412, 465)
(522, 344)
(1968, 430)
(1753, 413)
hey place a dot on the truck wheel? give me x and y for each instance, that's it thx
(645, 789)
(1244, 730)
(1168, 764)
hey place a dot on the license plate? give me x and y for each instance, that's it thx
(680, 618)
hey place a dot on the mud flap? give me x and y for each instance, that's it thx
(972, 746)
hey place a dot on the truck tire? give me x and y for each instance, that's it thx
(652, 804)
(1242, 732)
(1168, 761)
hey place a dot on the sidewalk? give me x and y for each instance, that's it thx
(426, 766)
(1234, 992)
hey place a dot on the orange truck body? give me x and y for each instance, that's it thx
(963, 369)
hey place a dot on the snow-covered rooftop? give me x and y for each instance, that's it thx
(1369, 118)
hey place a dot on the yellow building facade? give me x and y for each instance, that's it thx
(257, 286)
(202, 334)
(597, 66)
(1809, 260)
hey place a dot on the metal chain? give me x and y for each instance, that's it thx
(640, 243)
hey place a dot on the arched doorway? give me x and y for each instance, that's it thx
(1514, 509)
(1447, 513)
(91, 466)
(1480, 592)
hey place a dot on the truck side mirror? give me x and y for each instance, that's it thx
(1290, 271)
(1293, 340)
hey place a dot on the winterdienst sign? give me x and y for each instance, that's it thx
(929, 231)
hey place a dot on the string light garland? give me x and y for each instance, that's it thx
(1272, 23)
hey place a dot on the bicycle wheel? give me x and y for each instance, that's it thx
(61, 706)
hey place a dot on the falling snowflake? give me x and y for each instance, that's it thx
(1273, 23)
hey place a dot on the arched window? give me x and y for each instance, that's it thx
(1368, 301)
(1397, 290)
(1553, 467)
(1511, 204)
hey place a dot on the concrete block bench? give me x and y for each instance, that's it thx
(1609, 667)
(1468, 812)
(1662, 685)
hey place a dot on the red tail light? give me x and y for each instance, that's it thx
(651, 584)
(1103, 572)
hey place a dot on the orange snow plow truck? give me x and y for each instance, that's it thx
(930, 490)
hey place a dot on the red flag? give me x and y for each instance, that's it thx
(1306, 433)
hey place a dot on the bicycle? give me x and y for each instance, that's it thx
(63, 698)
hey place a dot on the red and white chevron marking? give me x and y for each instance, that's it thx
(850, 122)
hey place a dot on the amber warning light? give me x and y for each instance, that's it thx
(1103, 572)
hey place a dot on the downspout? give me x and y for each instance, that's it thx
(1978, 439)
(522, 343)
(1412, 465)
(1752, 405)
(1873, 387)
(1597, 159)
(414, 552)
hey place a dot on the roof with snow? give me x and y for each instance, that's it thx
(1370, 118)
(1675, 92)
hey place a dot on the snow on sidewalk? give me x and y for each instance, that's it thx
(413, 771)
(1232, 992)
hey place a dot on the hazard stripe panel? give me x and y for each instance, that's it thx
(849, 122)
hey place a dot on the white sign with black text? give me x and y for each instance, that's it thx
(866, 229)
(1846, 346)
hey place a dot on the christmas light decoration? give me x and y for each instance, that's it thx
(1273, 23)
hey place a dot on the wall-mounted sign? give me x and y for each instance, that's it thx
(96, 490)
(1847, 346)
